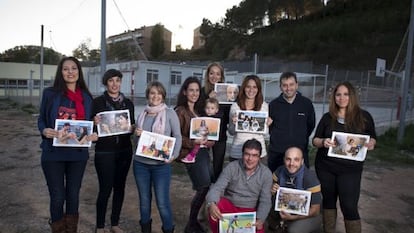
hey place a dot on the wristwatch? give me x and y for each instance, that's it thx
(209, 204)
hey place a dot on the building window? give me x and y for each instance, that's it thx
(12, 83)
(46, 83)
(22, 84)
(152, 75)
(175, 78)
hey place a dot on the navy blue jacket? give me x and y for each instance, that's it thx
(51, 100)
(292, 123)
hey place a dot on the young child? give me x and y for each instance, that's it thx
(211, 109)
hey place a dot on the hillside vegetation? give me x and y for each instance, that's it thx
(347, 34)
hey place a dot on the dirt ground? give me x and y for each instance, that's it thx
(386, 204)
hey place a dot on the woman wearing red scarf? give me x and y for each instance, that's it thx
(64, 167)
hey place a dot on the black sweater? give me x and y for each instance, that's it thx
(117, 142)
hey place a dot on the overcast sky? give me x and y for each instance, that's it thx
(69, 23)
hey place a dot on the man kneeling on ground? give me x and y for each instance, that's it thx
(293, 174)
(245, 185)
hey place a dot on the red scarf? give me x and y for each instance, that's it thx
(78, 99)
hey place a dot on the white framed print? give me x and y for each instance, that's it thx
(243, 222)
(251, 121)
(226, 93)
(293, 201)
(72, 133)
(114, 123)
(205, 127)
(349, 146)
(155, 146)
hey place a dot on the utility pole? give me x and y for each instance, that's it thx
(31, 86)
(103, 37)
(41, 64)
(407, 76)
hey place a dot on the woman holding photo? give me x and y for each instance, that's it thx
(150, 173)
(341, 178)
(64, 167)
(215, 74)
(113, 154)
(250, 98)
(189, 105)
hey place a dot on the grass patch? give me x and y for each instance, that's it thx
(29, 108)
(7, 104)
(178, 168)
(390, 151)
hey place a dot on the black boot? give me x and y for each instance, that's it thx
(168, 231)
(146, 227)
(193, 226)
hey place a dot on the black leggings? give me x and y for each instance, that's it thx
(112, 170)
(219, 150)
(346, 186)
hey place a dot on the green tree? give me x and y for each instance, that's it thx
(82, 52)
(30, 54)
(95, 55)
(119, 51)
(250, 14)
(157, 41)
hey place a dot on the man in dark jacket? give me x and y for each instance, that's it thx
(293, 120)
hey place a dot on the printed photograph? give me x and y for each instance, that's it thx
(155, 146)
(238, 223)
(349, 146)
(205, 127)
(73, 133)
(293, 201)
(226, 92)
(114, 123)
(251, 121)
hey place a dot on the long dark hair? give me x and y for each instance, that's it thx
(84, 133)
(354, 120)
(258, 100)
(182, 99)
(60, 85)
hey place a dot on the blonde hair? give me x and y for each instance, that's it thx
(208, 87)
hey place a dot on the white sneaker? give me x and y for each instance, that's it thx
(185, 160)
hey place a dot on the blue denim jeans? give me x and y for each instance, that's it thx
(64, 179)
(159, 177)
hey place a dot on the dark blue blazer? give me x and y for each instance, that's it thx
(48, 113)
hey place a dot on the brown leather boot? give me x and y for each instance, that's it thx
(329, 220)
(353, 226)
(72, 223)
(58, 226)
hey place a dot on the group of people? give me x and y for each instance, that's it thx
(245, 184)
